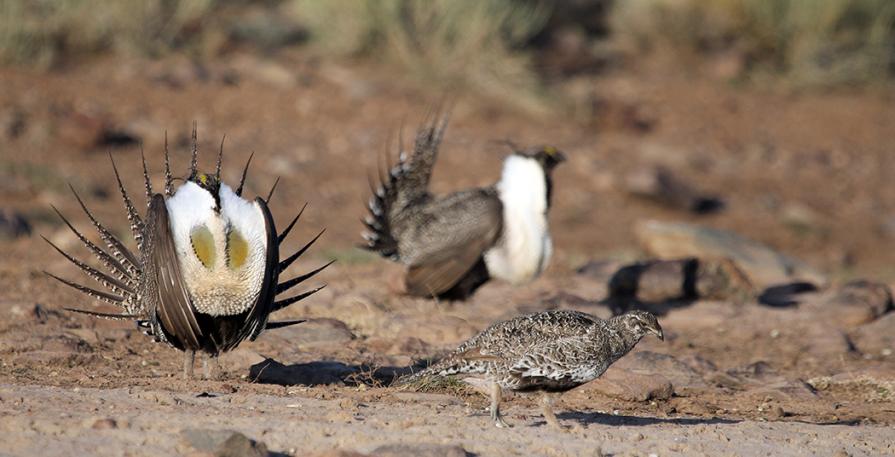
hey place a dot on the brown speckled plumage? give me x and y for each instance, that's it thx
(550, 351)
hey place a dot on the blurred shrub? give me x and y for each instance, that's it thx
(478, 44)
(46, 31)
(809, 41)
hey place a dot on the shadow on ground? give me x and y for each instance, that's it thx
(324, 373)
(611, 419)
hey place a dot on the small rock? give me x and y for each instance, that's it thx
(13, 122)
(682, 377)
(857, 303)
(88, 129)
(222, 443)
(314, 332)
(104, 424)
(13, 225)
(722, 279)
(660, 185)
(631, 386)
(877, 337)
(801, 219)
(419, 450)
(763, 266)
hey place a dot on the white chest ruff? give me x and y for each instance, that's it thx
(218, 289)
(524, 249)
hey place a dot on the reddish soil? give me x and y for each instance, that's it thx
(806, 173)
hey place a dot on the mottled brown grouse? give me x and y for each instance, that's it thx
(550, 351)
(453, 244)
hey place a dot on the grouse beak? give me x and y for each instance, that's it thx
(659, 334)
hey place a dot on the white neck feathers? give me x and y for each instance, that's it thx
(525, 247)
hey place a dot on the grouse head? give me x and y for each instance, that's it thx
(210, 183)
(639, 323)
(547, 156)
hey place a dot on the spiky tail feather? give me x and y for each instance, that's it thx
(400, 185)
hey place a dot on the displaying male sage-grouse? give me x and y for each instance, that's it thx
(207, 267)
(550, 351)
(453, 244)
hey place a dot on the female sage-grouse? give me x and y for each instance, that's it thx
(453, 244)
(206, 271)
(550, 351)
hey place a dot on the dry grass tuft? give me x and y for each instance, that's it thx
(809, 42)
(43, 32)
(449, 44)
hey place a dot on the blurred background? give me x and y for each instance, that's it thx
(769, 118)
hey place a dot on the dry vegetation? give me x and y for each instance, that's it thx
(806, 41)
(486, 47)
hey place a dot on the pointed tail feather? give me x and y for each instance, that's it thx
(107, 260)
(132, 216)
(285, 264)
(112, 316)
(286, 285)
(115, 285)
(288, 301)
(117, 248)
(281, 324)
(106, 297)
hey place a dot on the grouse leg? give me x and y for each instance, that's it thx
(547, 402)
(189, 359)
(495, 407)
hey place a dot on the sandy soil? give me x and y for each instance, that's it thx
(805, 173)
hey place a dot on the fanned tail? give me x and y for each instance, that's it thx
(400, 185)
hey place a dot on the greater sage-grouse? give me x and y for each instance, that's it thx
(206, 271)
(550, 351)
(453, 244)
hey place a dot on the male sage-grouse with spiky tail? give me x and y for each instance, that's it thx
(453, 244)
(550, 351)
(207, 267)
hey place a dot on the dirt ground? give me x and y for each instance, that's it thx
(805, 173)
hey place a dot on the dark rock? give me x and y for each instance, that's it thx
(876, 338)
(660, 185)
(222, 443)
(13, 224)
(310, 374)
(762, 265)
(419, 450)
(655, 281)
(661, 281)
